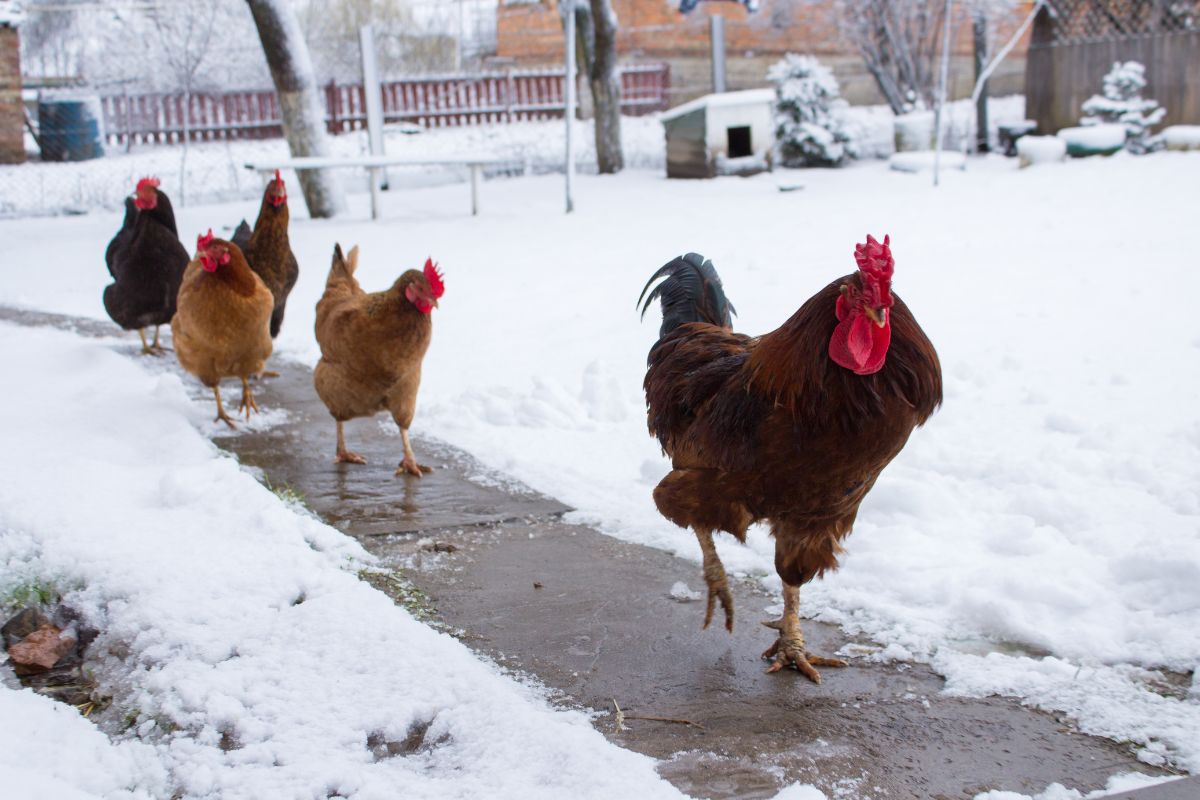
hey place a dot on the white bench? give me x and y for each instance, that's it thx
(375, 163)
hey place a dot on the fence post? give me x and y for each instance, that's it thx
(331, 106)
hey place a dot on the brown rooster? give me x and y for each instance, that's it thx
(267, 249)
(221, 326)
(371, 349)
(792, 427)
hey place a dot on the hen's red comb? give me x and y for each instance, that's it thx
(204, 240)
(434, 276)
(278, 179)
(148, 182)
(875, 259)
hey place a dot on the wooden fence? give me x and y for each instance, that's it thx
(1060, 76)
(442, 101)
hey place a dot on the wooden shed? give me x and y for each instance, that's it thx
(718, 133)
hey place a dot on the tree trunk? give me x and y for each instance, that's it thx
(299, 104)
(606, 88)
(979, 28)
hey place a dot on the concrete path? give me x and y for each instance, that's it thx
(590, 618)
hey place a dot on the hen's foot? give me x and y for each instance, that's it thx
(267, 373)
(223, 417)
(409, 466)
(248, 403)
(788, 651)
(348, 457)
(718, 589)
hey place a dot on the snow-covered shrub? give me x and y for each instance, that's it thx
(809, 130)
(1122, 102)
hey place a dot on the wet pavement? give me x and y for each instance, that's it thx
(591, 619)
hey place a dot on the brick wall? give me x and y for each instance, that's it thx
(654, 30)
(12, 118)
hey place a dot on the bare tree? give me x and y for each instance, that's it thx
(898, 40)
(596, 45)
(303, 121)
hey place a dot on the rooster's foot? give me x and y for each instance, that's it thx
(788, 651)
(409, 466)
(718, 589)
(348, 457)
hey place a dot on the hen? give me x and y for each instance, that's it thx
(268, 250)
(147, 262)
(371, 349)
(222, 326)
(792, 427)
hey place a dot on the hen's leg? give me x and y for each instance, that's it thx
(147, 350)
(344, 456)
(788, 650)
(247, 403)
(221, 415)
(158, 349)
(714, 576)
(409, 465)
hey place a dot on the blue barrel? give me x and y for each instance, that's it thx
(70, 129)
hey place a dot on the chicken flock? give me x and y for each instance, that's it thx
(791, 428)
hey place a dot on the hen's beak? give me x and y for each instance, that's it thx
(877, 315)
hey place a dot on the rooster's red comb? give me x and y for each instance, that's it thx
(434, 276)
(149, 182)
(204, 240)
(875, 259)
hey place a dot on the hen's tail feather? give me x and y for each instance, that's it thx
(241, 236)
(692, 292)
(341, 272)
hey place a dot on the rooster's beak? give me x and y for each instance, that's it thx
(877, 315)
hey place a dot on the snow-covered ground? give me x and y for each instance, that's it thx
(1037, 539)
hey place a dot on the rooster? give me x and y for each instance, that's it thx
(146, 261)
(371, 349)
(267, 249)
(222, 326)
(792, 427)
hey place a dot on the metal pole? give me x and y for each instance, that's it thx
(475, 170)
(374, 95)
(945, 78)
(717, 35)
(569, 115)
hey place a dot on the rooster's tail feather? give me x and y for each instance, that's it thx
(692, 292)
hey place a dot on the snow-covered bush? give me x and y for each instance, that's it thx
(809, 130)
(1122, 102)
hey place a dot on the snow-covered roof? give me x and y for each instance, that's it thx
(748, 97)
(11, 13)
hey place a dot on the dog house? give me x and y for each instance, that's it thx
(726, 133)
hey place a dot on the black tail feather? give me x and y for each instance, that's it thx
(692, 292)
(241, 236)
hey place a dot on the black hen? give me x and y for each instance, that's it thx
(147, 261)
(691, 293)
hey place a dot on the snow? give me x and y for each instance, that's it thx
(924, 160)
(1118, 784)
(1101, 137)
(748, 97)
(1037, 539)
(1182, 137)
(227, 615)
(1041, 150)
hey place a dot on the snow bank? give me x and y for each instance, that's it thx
(923, 161)
(1182, 137)
(246, 658)
(1033, 150)
(1128, 782)
(1100, 139)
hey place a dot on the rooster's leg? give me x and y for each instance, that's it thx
(718, 584)
(221, 415)
(788, 650)
(247, 403)
(344, 456)
(409, 465)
